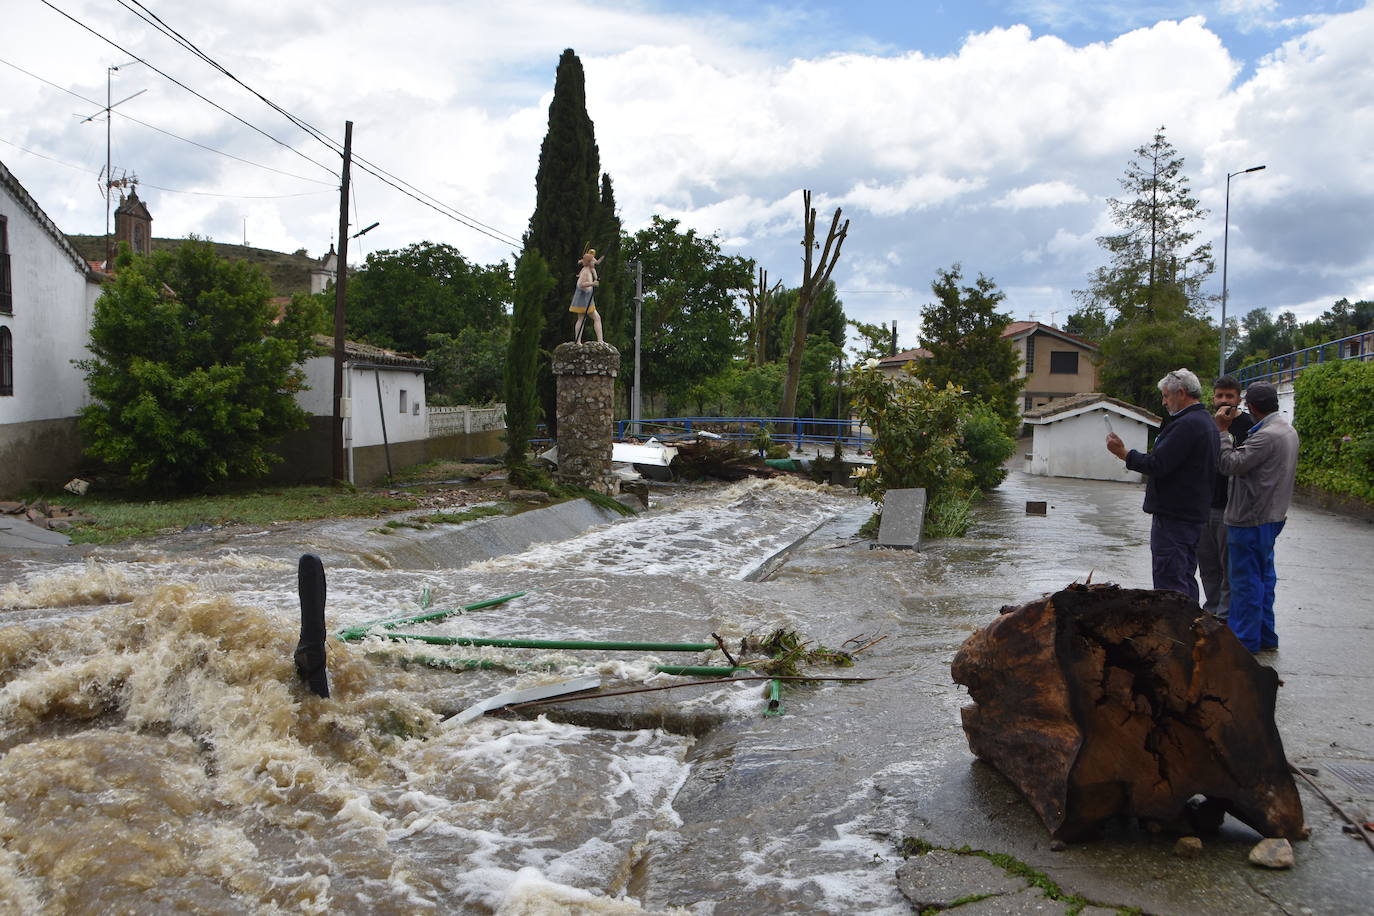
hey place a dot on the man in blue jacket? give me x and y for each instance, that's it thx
(1180, 472)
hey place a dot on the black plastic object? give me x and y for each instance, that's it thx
(310, 655)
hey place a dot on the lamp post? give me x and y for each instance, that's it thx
(1225, 244)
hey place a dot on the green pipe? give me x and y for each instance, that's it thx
(487, 664)
(388, 623)
(551, 643)
(774, 696)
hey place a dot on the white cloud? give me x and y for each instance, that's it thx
(998, 155)
(1043, 194)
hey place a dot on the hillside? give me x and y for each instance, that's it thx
(289, 273)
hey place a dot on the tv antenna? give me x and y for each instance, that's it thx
(108, 181)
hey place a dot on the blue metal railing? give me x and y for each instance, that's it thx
(801, 431)
(1287, 367)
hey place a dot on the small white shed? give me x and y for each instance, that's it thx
(1069, 437)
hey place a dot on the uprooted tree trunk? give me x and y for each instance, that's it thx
(1101, 701)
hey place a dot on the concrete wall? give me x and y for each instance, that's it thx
(1076, 447)
(38, 451)
(308, 457)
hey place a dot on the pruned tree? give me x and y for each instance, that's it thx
(814, 277)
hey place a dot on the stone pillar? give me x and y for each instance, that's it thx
(586, 396)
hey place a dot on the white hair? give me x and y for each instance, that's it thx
(1181, 380)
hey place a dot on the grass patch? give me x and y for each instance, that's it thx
(115, 517)
(441, 469)
(425, 522)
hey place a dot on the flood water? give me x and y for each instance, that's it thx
(160, 756)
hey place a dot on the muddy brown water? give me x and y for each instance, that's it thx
(160, 756)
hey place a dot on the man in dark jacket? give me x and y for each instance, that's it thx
(1211, 550)
(1180, 473)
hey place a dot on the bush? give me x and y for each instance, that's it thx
(987, 444)
(192, 378)
(1335, 422)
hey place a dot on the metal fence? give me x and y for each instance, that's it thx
(1289, 366)
(452, 421)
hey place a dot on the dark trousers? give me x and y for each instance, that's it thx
(1173, 554)
(1211, 565)
(1251, 552)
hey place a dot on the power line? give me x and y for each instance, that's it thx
(155, 187)
(160, 130)
(173, 79)
(371, 168)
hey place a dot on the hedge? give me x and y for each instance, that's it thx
(1335, 421)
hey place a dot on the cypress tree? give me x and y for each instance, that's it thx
(532, 284)
(567, 211)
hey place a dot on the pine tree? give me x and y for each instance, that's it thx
(963, 332)
(1155, 269)
(567, 210)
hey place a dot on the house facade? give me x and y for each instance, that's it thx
(47, 297)
(1054, 363)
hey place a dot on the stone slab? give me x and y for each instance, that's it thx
(939, 878)
(21, 534)
(904, 512)
(1029, 902)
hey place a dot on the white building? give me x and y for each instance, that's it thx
(47, 295)
(1069, 437)
(385, 415)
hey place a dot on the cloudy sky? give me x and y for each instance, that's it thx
(984, 133)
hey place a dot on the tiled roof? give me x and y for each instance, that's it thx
(1021, 328)
(1088, 399)
(904, 357)
(357, 351)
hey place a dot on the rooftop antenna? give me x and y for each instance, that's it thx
(107, 177)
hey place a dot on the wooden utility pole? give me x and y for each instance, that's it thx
(813, 281)
(340, 283)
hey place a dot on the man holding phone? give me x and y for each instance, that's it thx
(1179, 474)
(1264, 468)
(1211, 550)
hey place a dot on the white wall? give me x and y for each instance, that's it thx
(364, 426)
(51, 322)
(1077, 446)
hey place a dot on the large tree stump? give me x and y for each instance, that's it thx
(1100, 701)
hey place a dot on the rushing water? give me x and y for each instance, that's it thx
(159, 754)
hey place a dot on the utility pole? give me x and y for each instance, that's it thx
(635, 404)
(340, 282)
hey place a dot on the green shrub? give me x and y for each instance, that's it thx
(1335, 422)
(988, 445)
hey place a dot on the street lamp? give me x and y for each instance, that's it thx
(1225, 244)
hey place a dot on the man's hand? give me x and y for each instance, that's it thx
(1224, 415)
(1116, 446)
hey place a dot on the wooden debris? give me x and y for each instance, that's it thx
(1099, 701)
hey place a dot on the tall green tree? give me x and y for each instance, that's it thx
(532, 285)
(401, 297)
(468, 367)
(191, 376)
(1155, 269)
(1137, 354)
(963, 331)
(691, 316)
(568, 213)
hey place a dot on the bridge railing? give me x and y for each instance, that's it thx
(1285, 368)
(800, 432)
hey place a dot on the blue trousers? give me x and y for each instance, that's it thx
(1250, 551)
(1173, 554)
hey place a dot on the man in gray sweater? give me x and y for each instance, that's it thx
(1262, 471)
